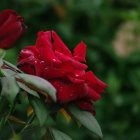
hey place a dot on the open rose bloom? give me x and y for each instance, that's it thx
(52, 60)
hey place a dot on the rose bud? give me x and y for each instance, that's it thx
(11, 28)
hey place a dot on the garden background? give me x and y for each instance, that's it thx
(111, 30)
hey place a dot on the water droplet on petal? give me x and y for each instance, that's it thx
(42, 62)
(54, 60)
(31, 57)
(76, 75)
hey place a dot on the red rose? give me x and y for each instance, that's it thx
(11, 28)
(51, 59)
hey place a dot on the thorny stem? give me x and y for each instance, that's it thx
(9, 113)
(13, 131)
(28, 123)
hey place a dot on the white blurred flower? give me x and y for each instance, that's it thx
(127, 39)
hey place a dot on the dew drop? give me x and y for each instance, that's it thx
(42, 62)
(76, 75)
(54, 60)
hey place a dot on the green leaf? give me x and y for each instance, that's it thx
(58, 135)
(47, 135)
(16, 137)
(3, 105)
(87, 120)
(41, 85)
(2, 53)
(12, 66)
(39, 109)
(54, 134)
(10, 89)
(28, 90)
(1, 62)
(2, 123)
(8, 72)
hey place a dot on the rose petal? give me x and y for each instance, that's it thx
(36, 65)
(50, 73)
(30, 69)
(28, 52)
(44, 46)
(80, 52)
(71, 61)
(75, 80)
(85, 104)
(67, 91)
(94, 82)
(59, 45)
(93, 94)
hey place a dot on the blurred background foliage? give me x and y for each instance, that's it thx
(111, 30)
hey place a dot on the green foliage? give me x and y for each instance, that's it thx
(58, 135)
(39, 109)
(10, 88)
(39, 84)
(87, 120)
